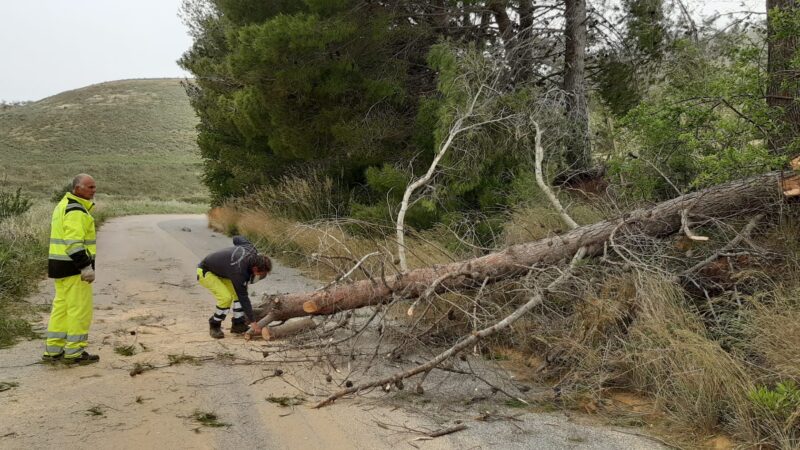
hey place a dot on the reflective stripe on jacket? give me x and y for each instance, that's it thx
(72, 237)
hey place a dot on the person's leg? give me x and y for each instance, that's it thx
(219, 289)
(79, 319)
(239, 324)
(57, 325)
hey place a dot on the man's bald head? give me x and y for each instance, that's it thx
(83, 186)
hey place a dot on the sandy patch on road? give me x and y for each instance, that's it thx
(147, 300)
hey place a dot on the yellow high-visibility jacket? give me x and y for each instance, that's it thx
(72, 237)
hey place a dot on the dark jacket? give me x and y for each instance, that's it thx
(234, 263)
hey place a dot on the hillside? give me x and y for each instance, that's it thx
(136, 137)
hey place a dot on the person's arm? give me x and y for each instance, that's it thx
(75, 235)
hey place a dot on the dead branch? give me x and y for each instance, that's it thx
(685, 228)
(462, 344)
(465, 342)
(539, 152)
(743, 235)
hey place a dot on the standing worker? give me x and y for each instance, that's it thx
(71, 263)
(226, 273)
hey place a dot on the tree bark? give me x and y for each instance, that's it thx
(578, 152)
(783, 90)
(289, 328)
(755, 194)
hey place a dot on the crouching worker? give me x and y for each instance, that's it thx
(226, 273)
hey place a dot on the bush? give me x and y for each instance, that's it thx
(13, 204)
(777, 413)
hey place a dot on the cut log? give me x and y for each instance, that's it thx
(289, 328)
(760, 193)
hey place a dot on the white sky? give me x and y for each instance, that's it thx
(51, 46)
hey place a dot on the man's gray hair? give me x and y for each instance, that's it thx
(78, 179)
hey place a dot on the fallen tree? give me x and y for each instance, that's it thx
(737, 198)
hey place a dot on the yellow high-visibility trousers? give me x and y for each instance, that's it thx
(70, 318)
(222, 290)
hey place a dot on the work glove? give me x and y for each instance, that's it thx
(87, 274)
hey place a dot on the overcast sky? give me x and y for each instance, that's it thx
(51, 46)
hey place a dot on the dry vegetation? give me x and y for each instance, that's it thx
(720, 359)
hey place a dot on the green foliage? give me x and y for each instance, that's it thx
(13, 204)
(617, 84)
(285, 402)
(777, 413)
(707, 123)
(125, 350)
(303, 82)
(20, 267)
(625, 70)
(782, 401)
(6, 385)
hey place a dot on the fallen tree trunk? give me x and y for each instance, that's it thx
(736, 198)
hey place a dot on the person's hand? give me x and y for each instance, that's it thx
(255, 328)
(87, 274)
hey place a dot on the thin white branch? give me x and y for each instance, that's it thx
(685, 227)
(349, 272)
(401, 215)
(540, 179)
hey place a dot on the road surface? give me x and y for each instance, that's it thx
(146, 296)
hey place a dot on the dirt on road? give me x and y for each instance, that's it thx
(197, 392)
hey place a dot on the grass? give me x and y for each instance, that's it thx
(109, 207)
(23, 247)
(140, 368)
(285, 402)
(184, 359)
(208, 419)
(125, 350)
(7, 385)
(136, 137)
(514, 403)
(95, 411)
(324, 249)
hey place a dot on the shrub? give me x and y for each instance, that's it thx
(777, 413)
(13, 204)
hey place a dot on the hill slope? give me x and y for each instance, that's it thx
(136, 137)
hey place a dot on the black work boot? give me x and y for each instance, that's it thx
(239, 328)
(215, 330)
(83, 359)
(52, 359)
